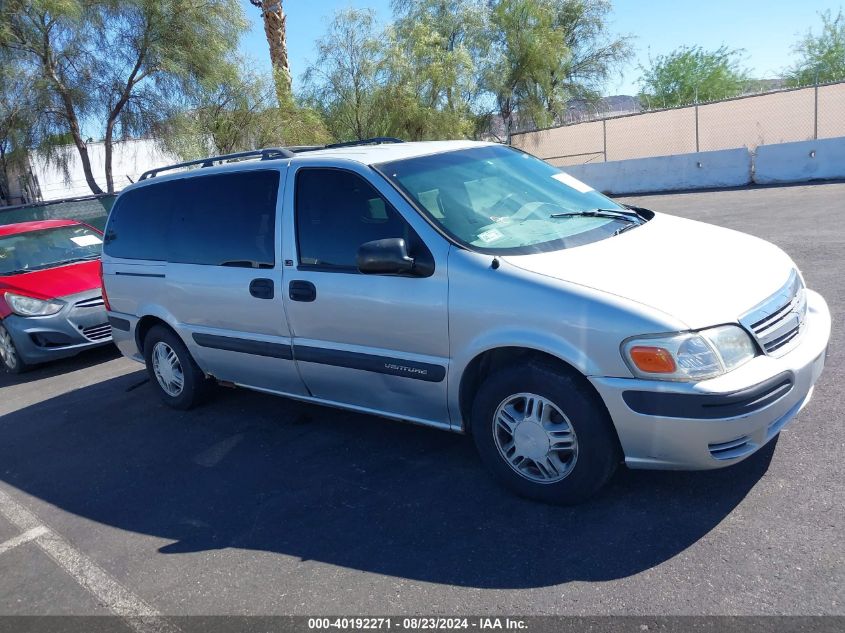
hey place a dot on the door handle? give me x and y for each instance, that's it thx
(261, 288)
(302, 291)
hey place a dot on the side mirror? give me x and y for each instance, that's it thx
(385, 257)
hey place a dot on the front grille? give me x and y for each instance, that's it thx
(100, 332)
(93, 302)
(733, 449)
(777, 322)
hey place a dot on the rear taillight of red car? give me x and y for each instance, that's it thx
(103, 285)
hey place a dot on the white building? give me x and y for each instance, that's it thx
(129, 160)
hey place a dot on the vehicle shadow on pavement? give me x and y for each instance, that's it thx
(258, 472)
(85, 359)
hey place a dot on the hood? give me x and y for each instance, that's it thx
(700, 274)
(54, 282)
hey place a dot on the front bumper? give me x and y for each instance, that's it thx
(79, 325)
(717, 422)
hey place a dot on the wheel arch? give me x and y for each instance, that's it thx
(145, 324)
(493, 359)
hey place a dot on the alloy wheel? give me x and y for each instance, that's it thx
(168, 369)
(535, 438)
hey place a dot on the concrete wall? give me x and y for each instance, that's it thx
(822, 159)
(726, 168)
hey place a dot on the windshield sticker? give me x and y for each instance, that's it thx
(501, 220)
(576, 184)
(86, 240)
(490, 236)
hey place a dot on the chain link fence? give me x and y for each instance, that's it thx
(92, 210)
(798, 114)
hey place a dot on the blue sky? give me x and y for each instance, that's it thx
(765, 29)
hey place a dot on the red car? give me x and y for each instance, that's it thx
(51, 303)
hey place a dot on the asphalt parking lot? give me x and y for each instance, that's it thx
(257, 505)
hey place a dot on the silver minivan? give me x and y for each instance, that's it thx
(470, 287)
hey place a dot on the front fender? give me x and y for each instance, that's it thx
(506, 306)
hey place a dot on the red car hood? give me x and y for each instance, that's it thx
(54, 282)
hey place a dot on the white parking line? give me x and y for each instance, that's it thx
(108, 591)
(26, 537)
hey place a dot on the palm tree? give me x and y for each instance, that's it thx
(275, 30)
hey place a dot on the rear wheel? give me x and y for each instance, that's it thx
(11, 359)
(543, 434)
(175, 376)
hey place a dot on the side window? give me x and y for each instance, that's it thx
(226, 220)
(336, 212)
(137, 226)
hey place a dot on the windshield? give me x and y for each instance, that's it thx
(37, 250)
(499, 200)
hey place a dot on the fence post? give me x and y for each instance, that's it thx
(604, 138)
(816, 109)
(696, 122)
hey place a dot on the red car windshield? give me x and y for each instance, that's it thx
(37, 250)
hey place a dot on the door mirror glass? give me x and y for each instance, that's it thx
(386, 257)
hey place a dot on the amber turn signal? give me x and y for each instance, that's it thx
(654, 360)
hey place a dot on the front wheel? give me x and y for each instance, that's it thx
(9, 356)
(176, 377)
(543, 434)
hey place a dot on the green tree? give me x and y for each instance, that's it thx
(442, 67)
(345, 82)
(546, 53)
(415, 80)
(527, 51)
(19, 107)
(239, 112)
(432, 59)
(592, 52)
(117, 65)
(821, 58)
(692, 74)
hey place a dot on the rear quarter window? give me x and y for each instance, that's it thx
(138, 224)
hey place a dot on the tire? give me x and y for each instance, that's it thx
(574, 432)
(174, 362)
(10, 358)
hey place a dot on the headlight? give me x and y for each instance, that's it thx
(29, 306)
(689, 355)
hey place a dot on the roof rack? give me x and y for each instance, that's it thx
(264, 154)
(376, 140)
(268, 154)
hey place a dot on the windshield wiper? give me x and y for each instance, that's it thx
(73, 260)
(640, 211)
(627, 227)
(615, 214)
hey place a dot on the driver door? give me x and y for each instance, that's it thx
(378, 342)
